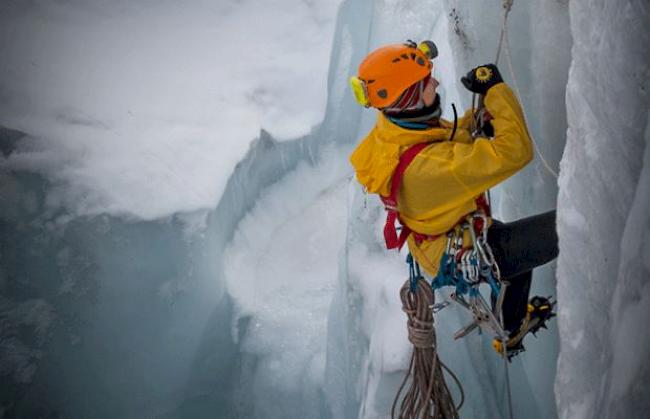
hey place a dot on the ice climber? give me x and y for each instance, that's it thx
(439, 172)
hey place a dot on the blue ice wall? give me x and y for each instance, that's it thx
(124, 317)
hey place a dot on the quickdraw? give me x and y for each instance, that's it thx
(465, 268)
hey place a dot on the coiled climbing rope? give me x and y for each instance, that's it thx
(428, 396)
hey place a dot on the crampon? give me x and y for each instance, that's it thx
(539, 311)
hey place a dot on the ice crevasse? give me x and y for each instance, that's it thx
(282, 301)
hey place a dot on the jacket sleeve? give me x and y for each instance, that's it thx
(485, 163)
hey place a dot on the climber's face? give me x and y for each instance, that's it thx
(429, 92)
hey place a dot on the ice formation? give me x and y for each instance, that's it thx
(280, 270)
(604, 216)
(260, 287)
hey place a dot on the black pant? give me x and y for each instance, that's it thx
(519, 247)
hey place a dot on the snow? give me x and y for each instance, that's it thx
(146, 107)
(280, 270)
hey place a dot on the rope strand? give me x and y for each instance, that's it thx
(504, 41)
(514, 83)
(428, 396)
(507, 5)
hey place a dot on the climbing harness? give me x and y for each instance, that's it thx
(465, 266)
(393, 241)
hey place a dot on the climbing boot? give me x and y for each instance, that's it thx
(539, 311)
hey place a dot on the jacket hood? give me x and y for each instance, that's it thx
(376, 158)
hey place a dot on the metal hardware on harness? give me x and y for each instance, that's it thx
(479, 121)
(439, 306)
(465, 268)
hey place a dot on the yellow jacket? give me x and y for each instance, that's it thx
(442, 182)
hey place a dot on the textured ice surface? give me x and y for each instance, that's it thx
(148, 111)
(603, 369)
(280, 270)
(100, 317)
(106, 317)
(144, 108)
(129, 315)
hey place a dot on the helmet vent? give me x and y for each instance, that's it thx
(406, 57)
(412, 56)
(396, 60)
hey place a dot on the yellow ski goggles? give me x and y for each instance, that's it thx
(360, 91)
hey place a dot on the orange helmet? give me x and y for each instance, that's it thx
(388, 71)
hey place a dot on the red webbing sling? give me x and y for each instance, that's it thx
(390, 202)
(393, 241)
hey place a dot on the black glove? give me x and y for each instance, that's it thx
(480, 79)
